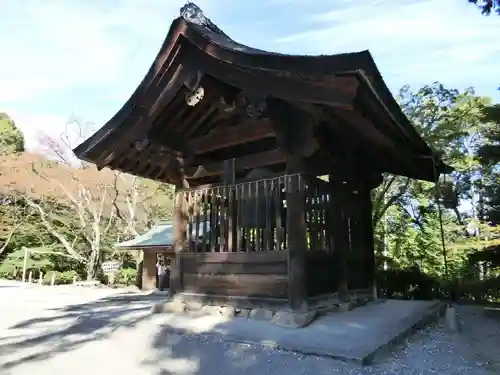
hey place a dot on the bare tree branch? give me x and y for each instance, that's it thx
(53, 231)
(9, 236)
(382, 202)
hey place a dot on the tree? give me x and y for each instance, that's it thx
(487, 6)
(11, 138)
(450, 121)
(71, 209)
(110, 206)
(92, 198)
(14, 219)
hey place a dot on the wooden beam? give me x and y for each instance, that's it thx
(340, 91)
(364, 127)
(354, 119)
(295, 128)
(205, 121)
(183, 167)
(249, 131)
(369, 105)
(251, 161)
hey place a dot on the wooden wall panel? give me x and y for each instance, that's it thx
(322, 273)
(253, 286)
(250, 274)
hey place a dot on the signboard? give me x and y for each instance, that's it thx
(108, 267)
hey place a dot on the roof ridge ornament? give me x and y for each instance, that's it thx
(192, 13)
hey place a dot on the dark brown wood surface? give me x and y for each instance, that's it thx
(180, 227)
(235, 274)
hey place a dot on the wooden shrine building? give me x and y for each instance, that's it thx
(157, 242)
(244, 134)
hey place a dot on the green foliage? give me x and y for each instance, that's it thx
(11, 138)
(77, 213)
(15, 261)
(126, 276)
(406, 216)
(487, 6)
(412, 284)
(61, 278)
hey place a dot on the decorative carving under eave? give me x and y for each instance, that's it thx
(141, 144)
(254, 107)
(193, 98)
(196, 91)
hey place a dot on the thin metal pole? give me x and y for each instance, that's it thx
(25, 263)
(440, 218)
(441, 229)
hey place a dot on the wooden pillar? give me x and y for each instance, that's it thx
(339, 229)
(296, 224)
(373, 180)
(358, 249)
(179, 235)
(230, 179)
(368, 242)
(295, 131)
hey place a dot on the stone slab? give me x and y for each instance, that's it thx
(492, 312)
(356, 335)
(290, 319)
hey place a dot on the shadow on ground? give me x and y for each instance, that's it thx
(432, 350)
(162, 352)
(195, 354)
(151, 346)
(71, 327)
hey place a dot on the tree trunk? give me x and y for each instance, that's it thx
(92, 264)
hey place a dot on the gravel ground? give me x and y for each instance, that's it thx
(46, 331)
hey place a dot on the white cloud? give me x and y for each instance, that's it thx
(53, 47)
(374, 22)
(40, 130)
(423, 40)
(36, 124)
(86, 57)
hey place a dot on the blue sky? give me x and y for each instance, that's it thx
(85, 58)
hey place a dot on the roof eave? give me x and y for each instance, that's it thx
(83, 150)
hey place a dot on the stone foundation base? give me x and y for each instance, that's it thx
(279, 316)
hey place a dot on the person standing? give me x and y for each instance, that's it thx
(161, 270)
